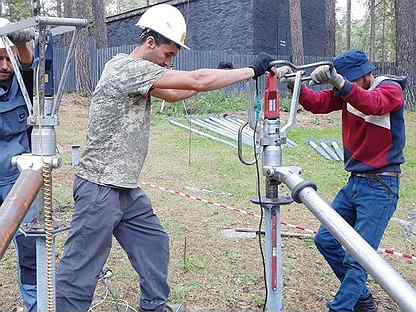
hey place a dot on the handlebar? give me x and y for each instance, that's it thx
(298, 77)
(280, 63)
(296, 68)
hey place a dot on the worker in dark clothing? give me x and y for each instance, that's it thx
(373, 133)
(15, 140)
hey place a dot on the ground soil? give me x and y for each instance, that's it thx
(208, 271)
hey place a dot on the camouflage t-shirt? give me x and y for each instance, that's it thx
(119, 122)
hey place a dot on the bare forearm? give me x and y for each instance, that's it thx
(25, 54)
(213, 79)
(172, 95)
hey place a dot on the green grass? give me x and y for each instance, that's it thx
(215, 102)
(328, 175)
(211, 271)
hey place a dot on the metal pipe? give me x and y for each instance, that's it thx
(234, 128)
(42, 21)
(338, 150)
(229, 125)
(319, 149)
(293, 105)
(388, 278)
(221, 131)
(16, 205)
(13, 27)
(330, 151)
(247, 139)
(62, 21)
(203, 134)
(220, 127)
(59, 93)
(19, 76)
(295, 67)
(206, 123)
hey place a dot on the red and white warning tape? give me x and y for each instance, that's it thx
(389, 252)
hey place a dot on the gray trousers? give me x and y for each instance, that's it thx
(101, 212)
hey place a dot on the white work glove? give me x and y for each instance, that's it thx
(281, 72)
(326, 74)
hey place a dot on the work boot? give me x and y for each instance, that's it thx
(168, 307)
(366, 305)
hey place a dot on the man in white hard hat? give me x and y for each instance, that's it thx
(108, 199)
(15, 140)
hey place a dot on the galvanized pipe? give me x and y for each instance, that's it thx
(293, 105)
(64, 75)
(201, 133)
(220, 127)
(61, 21)
(19, 76)
(42, 21)
(221, 131)
(16, 205)
(388, 278)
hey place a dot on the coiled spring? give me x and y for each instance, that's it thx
(48, 211)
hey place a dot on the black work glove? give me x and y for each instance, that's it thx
(262, 64)
(21, 37)
(225, 65)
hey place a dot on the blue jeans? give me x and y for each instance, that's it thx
(25, 253)
(367, 204)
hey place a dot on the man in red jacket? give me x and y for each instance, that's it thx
(373, 135)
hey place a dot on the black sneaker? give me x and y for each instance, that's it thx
(366, 305)
(168, 307)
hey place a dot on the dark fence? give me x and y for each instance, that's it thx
(190, 60)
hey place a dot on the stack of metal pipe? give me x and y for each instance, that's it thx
(221, 129)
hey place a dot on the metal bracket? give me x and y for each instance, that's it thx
(35, 162)
(265, 201)
(18, 74)
(281, 172)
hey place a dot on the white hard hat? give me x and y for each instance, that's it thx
(166, 20)
(4, 22)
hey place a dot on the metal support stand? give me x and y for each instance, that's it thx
(44, 119)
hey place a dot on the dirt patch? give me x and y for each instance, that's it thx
(207, 271)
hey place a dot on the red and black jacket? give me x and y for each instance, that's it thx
(373, 128)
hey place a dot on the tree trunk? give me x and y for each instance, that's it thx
(331, 27)
(296, 31)
(372, 29)
(82, 53)
(68, 7)
(68, 12)
(348, 24)
(405, 34)
(10, 5)
(59, 8)
(383, 36)
(406, 43)
(100, 27)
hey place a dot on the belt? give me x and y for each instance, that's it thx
(371, 175)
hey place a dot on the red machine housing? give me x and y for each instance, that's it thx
(271, 98)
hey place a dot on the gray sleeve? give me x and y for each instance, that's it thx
(138, 76)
